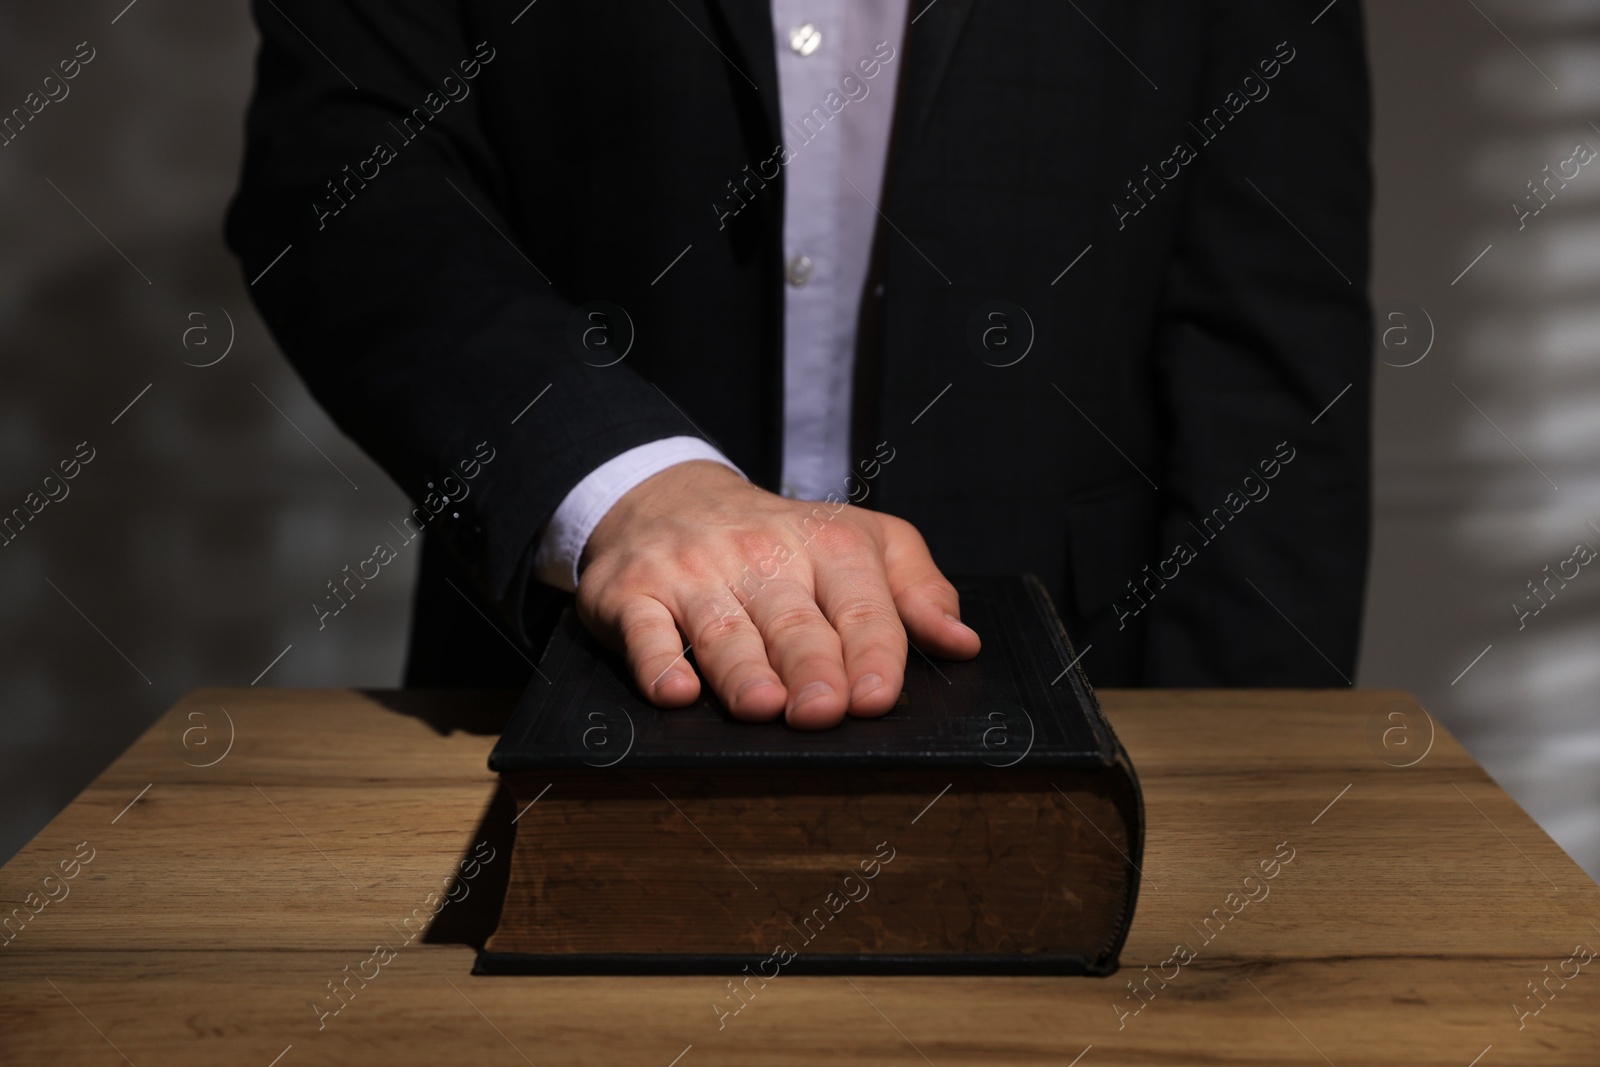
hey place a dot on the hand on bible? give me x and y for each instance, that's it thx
(791, 607)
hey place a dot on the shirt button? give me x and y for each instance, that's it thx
(798, 271)
(803, 40)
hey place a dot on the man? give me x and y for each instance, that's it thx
(1090, 302)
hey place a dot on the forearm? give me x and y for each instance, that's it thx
(404, 296)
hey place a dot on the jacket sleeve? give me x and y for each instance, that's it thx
(371, 222)
(1264, 362)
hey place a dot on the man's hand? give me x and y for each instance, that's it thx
(791, 607)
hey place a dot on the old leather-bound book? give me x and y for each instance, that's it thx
(990, 824)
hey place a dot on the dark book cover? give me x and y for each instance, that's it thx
(990, 823)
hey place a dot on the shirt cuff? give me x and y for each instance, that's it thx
(555, 561)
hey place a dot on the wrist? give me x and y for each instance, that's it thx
(652, 498)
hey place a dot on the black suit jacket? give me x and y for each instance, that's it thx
(1164, 204)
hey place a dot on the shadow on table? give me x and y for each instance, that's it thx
(475, 899)
(480, 712)
(478, 886)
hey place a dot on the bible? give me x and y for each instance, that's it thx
(991, 823)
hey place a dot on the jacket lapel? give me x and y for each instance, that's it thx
(743, 31)
(935, 28)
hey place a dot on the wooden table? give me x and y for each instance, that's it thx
(219, 901)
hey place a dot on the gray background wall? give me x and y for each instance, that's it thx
(189, 550)
(1465, 117)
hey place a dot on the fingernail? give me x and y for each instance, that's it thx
(751, 683)
(669, 677)
(865, 685)
(957, 621)
(811, 692)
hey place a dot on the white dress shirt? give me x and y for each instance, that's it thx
(838, 63)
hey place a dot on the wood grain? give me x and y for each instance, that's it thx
(218, 908)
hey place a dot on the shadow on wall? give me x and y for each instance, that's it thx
(189, 549)
(1488, 248)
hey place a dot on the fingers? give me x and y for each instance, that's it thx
(853, 592)
(643, 628)
(926, 601)
(822, 640)
(804, 648)
(731, 653)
